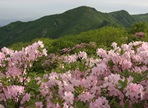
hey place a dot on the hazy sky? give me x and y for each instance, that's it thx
(33, 9)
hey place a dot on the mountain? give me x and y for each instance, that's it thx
(70, 22)
(142, 17)
(123, 18)
(4, 22)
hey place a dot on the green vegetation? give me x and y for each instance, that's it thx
(102, 37)
(139, 27)
(71, 22)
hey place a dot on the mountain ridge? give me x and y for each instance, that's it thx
(73, 21)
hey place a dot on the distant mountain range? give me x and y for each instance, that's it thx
(70, 22)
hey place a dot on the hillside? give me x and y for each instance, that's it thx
(142, 17)
(123, 18)
(103, 37)
(71, 22)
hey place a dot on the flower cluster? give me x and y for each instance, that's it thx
(114, 78)
(108, 78)
(15, 67)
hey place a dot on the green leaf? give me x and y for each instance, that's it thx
(111, 102)
(123, 84)
(79, 104)
(116, 105)
(126, 105)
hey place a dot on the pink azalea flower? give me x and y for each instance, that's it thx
(26, 98)
(68, 97)
(101, 102)
(39, 104)
(82, 55)
(134, 91)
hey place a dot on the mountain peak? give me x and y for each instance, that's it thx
(82, 9)
(120, 12)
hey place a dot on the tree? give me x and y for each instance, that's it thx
(139, 27)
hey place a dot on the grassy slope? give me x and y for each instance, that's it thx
(103, 37)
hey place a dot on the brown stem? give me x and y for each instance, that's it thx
(5, 102)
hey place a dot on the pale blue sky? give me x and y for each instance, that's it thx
(12, 10)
